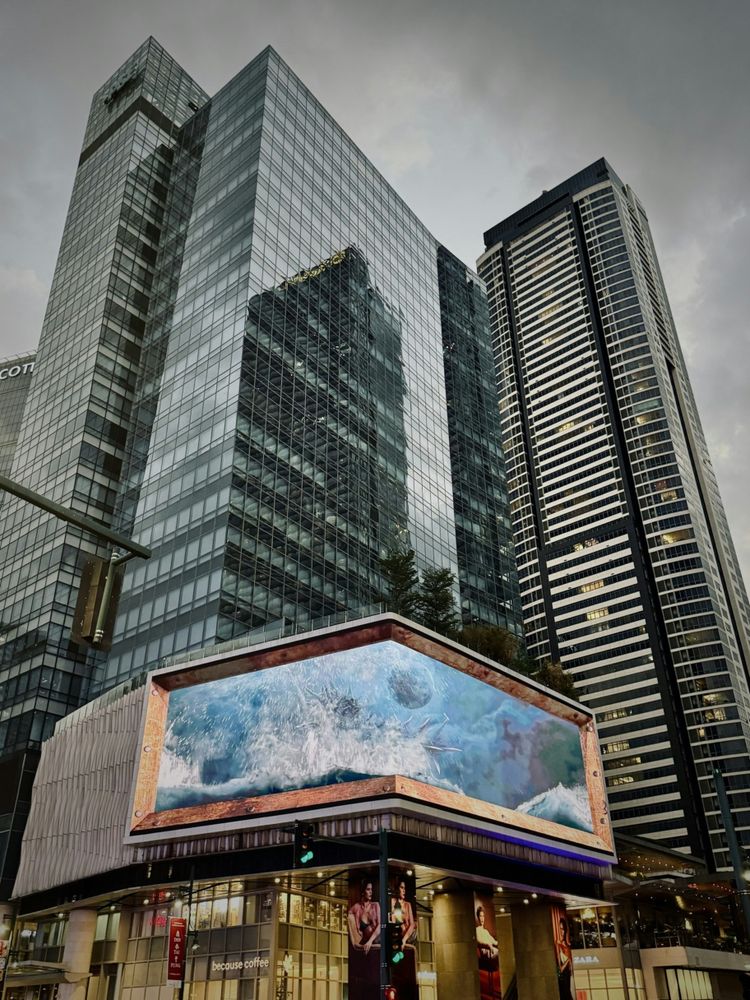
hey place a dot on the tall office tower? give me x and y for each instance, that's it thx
(70, 447)
(15, 379)
(246, 352)
(484, 535)
(293, 395)
(626, 565)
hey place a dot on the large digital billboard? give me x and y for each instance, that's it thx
(359, 714)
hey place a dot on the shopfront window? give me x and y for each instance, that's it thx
(607, 984)
(593, 927)
(229, 942)
(689, 984)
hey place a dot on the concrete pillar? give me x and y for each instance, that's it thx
(79, 942)
(534, 947)
(455, 946)
(504, 926)
(123, 936)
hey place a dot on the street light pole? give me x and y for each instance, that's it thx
(188, 922)
(73, 517)
(118, 541)
(735, 855)
(384, 910)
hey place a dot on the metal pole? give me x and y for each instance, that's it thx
(115, 560)
(734, 848)
(79, 520)
(385, 978)
(181, 992)
(8, 954)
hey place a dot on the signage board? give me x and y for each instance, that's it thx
(358, 713)
(177, 937)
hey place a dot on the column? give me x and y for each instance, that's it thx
(504, 926)
(455, 946)
(534, 946)
(79, 942)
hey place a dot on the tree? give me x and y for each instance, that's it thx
(500, 645)
(437, 604)
(492, 641)
(402, 580)
(553, 675)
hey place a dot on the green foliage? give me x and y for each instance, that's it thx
(437, 603)
(553, 675)
(432, 603)
(502, 646)
(492, 641)
(402, 581)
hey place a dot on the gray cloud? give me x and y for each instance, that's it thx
(469, 109)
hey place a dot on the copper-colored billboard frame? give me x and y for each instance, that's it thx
(146, 820)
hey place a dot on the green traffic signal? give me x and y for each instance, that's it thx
(394, 943)
(304, 851)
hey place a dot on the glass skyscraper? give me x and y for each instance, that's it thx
(257, 362)
(298, 423)
(15, 379)
(627, 570)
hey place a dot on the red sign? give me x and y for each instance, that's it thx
(176, 954)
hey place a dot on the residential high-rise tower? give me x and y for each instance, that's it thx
(627, 570)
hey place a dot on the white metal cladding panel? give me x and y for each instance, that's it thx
(79, 806)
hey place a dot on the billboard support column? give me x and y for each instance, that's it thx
(79, 943)
(454, 934)
(543, 971)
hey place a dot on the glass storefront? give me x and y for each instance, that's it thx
(229, 947)
(251, 944)
(607, 984)
(689, 984)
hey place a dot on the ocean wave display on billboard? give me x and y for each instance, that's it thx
(329, 727)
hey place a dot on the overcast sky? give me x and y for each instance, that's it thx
(469, 108)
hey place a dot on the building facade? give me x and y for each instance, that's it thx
(15, 380)
(627, 571)
(298, 423)
(476, 792)
(244, 369)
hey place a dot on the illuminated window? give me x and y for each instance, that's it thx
(567, 427)
(714, 715)
(552, 338)
(599, 613)
(546, 313)
(626, 762)
(586, 588)
(589, 543)
(616, 713)
(622, 779)
(712, 699)
(670, 537)
(616, 746)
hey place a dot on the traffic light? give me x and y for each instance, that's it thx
(304, 846)
(393, 943)
(390, 993)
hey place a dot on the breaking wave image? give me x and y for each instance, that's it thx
(380, 710)
(569, 806)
